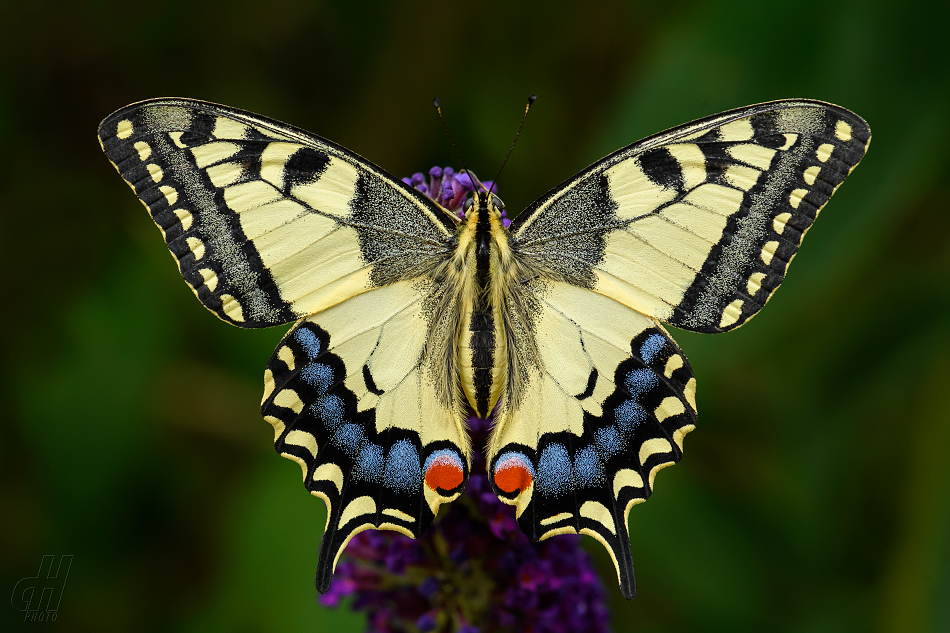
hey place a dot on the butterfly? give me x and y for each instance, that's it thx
(407, 316)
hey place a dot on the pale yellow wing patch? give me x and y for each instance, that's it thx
(266, 222)
(696, 226)
(606, 402)
(355, 400)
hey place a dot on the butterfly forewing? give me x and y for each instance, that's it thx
(266, 222)
(696, 226)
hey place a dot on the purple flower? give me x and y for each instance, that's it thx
(472, 571)
(449, 189)
(427, 622)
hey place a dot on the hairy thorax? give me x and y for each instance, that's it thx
(483, 262)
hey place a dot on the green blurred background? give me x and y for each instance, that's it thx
(815, 495)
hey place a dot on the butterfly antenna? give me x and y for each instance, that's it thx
(438, 108)
(524, 116)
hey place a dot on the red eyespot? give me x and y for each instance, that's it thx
(444, 471)
(513, 473)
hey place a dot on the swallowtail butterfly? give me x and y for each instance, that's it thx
(405, 316)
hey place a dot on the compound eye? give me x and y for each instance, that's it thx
(467, 205)
(497, 203)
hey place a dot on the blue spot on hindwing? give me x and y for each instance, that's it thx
(317, 375)
(629, 416)
(403, 470)
(329, 410)
(309, 341)
(652, 347)
(608, 440)
(640, 381)
(554, 470)
(588, 467)
(348, 439)
(369, 463)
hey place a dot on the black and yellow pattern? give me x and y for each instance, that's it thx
(342, 407)
(609, 409)
(406, 316)
(269, 223)
(696, 226)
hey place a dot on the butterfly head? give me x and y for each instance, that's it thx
(484, 202)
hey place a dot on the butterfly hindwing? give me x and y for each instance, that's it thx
(269, 223)
(608, 399)
(696, 226)
(355, 398)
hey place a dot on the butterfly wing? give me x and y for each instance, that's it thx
(356, 397)
(694, 227)
(269, 223)
(606, 402)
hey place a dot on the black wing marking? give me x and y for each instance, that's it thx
(608, 399)
(696, 226)
(269, 223)
(351, 395)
